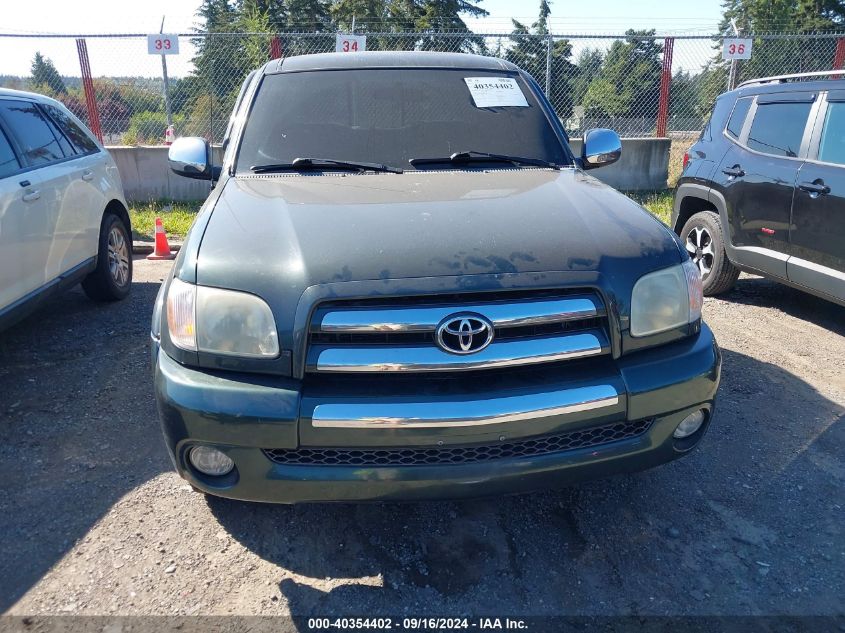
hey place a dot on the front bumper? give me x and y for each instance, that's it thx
(243, 414)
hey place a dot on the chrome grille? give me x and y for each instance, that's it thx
(544, 445)
(405, 338)
(398, 335)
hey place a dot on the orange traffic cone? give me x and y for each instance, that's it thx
(162, 248)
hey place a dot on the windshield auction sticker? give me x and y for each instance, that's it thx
(496, 92)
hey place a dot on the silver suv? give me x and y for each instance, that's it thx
(63, 217)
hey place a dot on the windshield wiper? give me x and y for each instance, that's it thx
(472, 156)
(300, 164)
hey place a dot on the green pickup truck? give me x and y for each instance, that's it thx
(404, 285)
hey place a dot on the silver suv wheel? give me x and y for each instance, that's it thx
(111, 280)
(118, 254)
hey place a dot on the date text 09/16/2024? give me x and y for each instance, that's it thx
(417, 624)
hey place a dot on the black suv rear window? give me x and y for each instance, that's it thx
(832, 147)
(778, 128)
(738, 115)
(390, 116)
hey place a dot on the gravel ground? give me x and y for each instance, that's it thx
(94, 521)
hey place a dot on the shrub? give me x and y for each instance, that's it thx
(149, 128)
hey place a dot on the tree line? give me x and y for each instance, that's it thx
(612, 85)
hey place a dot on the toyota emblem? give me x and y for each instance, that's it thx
(465, 333)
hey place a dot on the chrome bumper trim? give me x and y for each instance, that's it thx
(419, 415)
(420, 358)
(426, 319)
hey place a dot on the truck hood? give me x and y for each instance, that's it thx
(292, 231)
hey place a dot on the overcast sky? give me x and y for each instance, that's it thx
(129, 57)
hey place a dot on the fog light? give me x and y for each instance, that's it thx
(210, 461)
(690, 424)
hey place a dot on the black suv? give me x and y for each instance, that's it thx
(763, 188)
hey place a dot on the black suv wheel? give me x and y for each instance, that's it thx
(702, 236)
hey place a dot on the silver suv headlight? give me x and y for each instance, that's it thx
(666, 299)
(204, 319)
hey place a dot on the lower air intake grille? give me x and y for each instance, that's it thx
(582, 438)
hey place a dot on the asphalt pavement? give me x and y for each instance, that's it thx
(95, 521)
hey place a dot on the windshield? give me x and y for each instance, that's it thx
(390, 116)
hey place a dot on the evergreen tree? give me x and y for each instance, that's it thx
(757, 15)
(767, 16)
(427, 19)
(234, 37)
(773, 56)
(313, 19)
(587, 66)
(434, 17)
(309, 16)
(820, 15)
(763, 16)
(183, 90)
(274, 11)
(216, 16)
(530, 52)
(370, 15)
(45, 77)
(628, 84)
(255, 42)
(445, 15)
(683, 102)
(217, 59)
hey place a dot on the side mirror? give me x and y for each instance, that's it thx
(601, 147)
(190, 157)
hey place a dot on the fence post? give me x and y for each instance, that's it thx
(839, 54)
(665, 83)
(88, 85)
(275, 48)
(168, 112)
(549, 66)
(209, 38)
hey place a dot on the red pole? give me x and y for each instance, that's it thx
(88, 85)
(839, 54)
(665, 83)
(275, 48)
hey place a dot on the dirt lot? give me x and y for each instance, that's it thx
(95, 522)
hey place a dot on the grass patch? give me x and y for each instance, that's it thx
(658, 202)
(676, 156)
(176, 217)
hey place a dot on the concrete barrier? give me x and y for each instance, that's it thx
(644, 165)
(146, 176)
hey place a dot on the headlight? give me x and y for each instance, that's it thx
(181, 315)
(666, 299)
(218, 321)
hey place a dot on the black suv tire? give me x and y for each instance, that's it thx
(702, 235)
(112, 278)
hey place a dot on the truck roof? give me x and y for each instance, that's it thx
(387, 59)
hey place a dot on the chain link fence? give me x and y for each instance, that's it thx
(638, 84)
